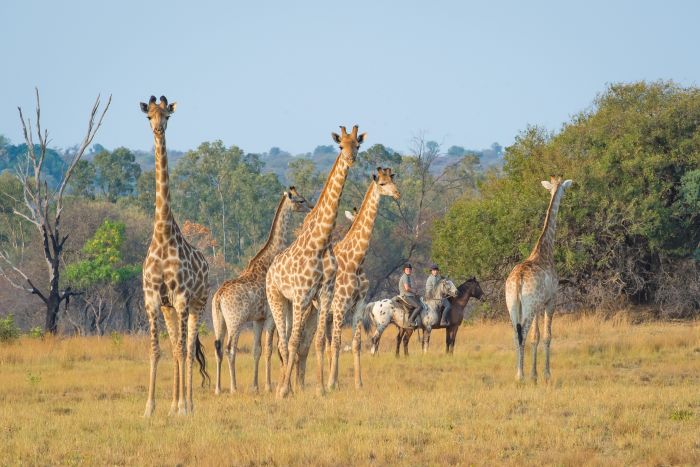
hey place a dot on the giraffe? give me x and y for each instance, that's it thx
(531, 286)
(242, 299)
(351, 283)
(295, 276)
(175, 279)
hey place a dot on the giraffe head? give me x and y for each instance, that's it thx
(385, 182)
(349, 143)
(299, 203)
(555, 183)
(158, 113)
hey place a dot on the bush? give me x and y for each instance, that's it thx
(36, 332)
(8, 329)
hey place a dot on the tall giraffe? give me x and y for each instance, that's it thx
(532, 285)
(351, 284)
(175, 278)
(295, 276)
(243, 299)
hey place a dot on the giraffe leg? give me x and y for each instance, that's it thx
(269, 327)
(257, 351)
(233, 349)
(534, 342)
(521, 346)
(339, 309)
(320, 341)
(181, 352)
(193, 320)
(548, 316)
(171, 323)
(298, 318)
(357, 346)
(278, 309)
(219, 335)
(152, 304)
(307, 336)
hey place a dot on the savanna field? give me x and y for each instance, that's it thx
(620, 393)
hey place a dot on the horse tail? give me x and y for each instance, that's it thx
(202, 360)
(367, 316)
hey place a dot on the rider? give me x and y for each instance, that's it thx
(431, 293)
(408, 293)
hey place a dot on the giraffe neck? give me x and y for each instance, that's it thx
(356, 241)
(321, 221)
(544, 248)
(163, 212)
(277, 239)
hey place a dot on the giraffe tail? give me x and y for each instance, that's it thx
(202, 360)
(517, 311)
(217, 319)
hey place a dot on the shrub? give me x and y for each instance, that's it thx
(8, 329)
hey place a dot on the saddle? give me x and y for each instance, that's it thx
(400, 303)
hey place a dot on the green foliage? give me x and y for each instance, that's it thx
(633, 158)
(224, 189)
(103, 263)
(303, 175)
(82, 181)
(117, 172)
(36, 332)
(8, 329)
(12, 158)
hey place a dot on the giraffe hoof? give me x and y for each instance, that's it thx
(217, 391)
(150, 408)
(268, 388)
(320, 392)
(255, 389)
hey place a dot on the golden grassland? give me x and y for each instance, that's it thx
(620, 394)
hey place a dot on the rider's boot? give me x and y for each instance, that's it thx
(415, 317)
(445, 320)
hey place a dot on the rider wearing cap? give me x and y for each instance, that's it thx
(408, 292)
(431, 293)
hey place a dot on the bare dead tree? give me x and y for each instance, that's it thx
(43, 208)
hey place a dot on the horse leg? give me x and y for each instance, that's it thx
(399, 336)
(406, 338)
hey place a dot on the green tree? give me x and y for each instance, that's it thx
(117, 172)
(223, 188)
(101, 272)
(303, 175)
(83, 180)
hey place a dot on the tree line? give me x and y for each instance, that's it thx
(628, 232)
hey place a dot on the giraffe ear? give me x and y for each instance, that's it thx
(374, 177)
(288, 194)
(567, 184)
(171, 107)
(336, 137)
(361, 138)
(144, 107)
(349, 215)
(547, 185)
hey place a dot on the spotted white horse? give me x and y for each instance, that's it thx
(389, 311)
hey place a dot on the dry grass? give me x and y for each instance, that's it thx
(621, 394)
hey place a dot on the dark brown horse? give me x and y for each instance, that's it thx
(469, 288)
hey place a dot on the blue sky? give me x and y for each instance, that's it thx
(261, 74)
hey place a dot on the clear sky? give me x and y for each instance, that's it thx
(262, 73)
